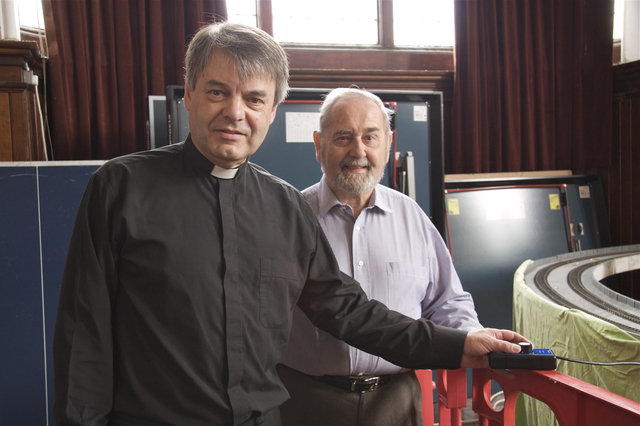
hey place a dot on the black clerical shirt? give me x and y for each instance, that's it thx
(175, 308)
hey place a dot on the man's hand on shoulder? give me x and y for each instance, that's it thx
(480, 342)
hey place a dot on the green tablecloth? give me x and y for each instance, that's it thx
(573, 334)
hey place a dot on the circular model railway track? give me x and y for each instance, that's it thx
(573, 281)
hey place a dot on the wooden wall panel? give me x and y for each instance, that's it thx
(19, 127)
(370, 59)
(6, 150)
(23, 139)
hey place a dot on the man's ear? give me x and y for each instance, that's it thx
(317, 141)
(389, 145)
(187, 97)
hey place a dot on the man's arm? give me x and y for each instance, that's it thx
(417, 344)
(82, 345)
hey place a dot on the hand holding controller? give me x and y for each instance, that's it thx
(527, 359)
(479, 343)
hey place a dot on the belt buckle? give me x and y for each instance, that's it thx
(372, 382)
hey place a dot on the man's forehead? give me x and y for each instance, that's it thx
(349, 130)
(249, 85)
(223, 69)
(361, 111)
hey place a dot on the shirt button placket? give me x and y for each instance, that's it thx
(359, 252)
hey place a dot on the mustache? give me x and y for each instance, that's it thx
(356, 162)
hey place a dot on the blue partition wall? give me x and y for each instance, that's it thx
(22, 353)
(39, 203)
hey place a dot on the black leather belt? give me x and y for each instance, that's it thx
(356, 383)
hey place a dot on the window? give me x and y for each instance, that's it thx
(626, 28)
(618, 19)
(316, 22)
(427, 23)
(30, 12)
(30, 20)
(242, 12)
(423, 23)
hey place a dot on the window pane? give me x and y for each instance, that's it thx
(618, 19)
(423, 23)
(30, 12)
(325, 22)
(242, 12)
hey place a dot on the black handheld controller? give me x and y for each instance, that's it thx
(527, 359)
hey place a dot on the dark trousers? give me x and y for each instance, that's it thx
(314, 403)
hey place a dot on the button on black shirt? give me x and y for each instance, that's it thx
(178, 293)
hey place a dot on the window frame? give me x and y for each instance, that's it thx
(264, 21)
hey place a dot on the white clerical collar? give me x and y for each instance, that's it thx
(222, 173)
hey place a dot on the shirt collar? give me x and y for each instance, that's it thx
(203, 165)
(327, 199)
(222, 173)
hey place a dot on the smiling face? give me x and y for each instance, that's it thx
(353, 148)
(229, 117)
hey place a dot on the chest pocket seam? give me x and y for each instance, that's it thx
(407, 284)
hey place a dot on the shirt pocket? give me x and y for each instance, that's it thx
(279, 286)
(407, 286)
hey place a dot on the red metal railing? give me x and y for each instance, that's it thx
(452, 396)
(425, 377)
(574, 402)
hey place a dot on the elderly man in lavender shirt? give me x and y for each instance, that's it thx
(384, 240)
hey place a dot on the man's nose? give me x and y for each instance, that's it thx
(358, 148)
(234, 108)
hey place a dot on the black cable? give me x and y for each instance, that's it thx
(597, 363)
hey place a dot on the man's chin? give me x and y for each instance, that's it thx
(354, 184)
(228, 160)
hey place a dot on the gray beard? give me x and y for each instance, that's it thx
(356, 184)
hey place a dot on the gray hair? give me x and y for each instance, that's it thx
(254, 51)
(352, 93)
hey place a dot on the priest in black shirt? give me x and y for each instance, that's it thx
(186, 262)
